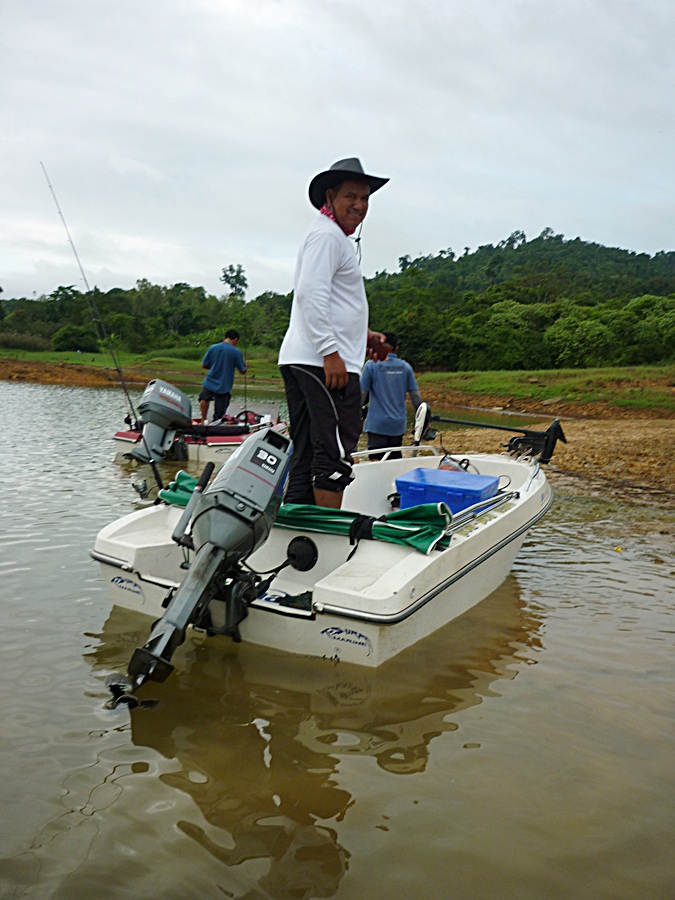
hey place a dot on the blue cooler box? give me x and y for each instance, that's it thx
(457, 489)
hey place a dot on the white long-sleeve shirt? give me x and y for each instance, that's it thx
(330, 309)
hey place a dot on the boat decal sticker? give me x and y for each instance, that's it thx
(268, 461)
(273, 597)
(349, 636)
(126, 584)
(170, 394)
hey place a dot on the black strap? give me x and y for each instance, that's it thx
(361, 527)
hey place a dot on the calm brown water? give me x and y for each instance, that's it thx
(524, 751)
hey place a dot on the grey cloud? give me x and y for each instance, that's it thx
(180, 136)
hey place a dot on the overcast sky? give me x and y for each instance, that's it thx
(180, 135)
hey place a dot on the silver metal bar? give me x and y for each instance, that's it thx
(366, 454)
(111, 561)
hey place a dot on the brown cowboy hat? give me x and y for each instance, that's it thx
(342, 170)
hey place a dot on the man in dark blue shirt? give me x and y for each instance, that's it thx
(387, 382)
(220, 360)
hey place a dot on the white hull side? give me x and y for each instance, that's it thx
(369, 644)
(198, 453)
(329, 635)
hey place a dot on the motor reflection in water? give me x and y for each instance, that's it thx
(260, 735)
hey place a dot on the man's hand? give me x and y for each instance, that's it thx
(335, 372)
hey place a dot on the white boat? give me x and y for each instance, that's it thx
(348, 586)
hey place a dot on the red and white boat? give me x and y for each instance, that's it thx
(204, 443)
(182, 438)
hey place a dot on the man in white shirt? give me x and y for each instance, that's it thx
(323, 351)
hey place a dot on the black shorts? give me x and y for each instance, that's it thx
(325, 428)
(382, 441)
(222, 401)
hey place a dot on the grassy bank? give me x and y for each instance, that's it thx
(632, 389)
(635, 390)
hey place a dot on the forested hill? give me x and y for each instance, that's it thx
(543, 303)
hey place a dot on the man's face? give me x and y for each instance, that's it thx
(350, 203)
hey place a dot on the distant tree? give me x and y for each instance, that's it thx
(128, 331)
(578, 341)
(267, 318)
(235, 278)
(513, 241)
(75, 337)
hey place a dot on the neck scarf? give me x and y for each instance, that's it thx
(327, 211)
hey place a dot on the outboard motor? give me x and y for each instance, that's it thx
(163, 409)
(232, 518)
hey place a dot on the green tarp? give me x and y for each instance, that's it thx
(178, 492)
(424, 527)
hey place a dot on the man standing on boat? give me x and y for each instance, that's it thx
(221, 360)
(322, 353)
(385, 385)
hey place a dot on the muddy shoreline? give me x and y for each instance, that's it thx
(607, 452)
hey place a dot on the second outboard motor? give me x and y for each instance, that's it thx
(163, 409)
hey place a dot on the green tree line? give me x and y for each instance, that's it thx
(548, 302)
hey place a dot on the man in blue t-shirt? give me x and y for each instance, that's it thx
(386, 383)
(220, 360)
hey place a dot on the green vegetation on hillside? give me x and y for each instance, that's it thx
(547, 303)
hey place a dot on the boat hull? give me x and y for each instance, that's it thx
(369, 643)
(215, 449)
(366, 605)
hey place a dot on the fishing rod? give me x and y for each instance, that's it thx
(246, 389)
(99, 324)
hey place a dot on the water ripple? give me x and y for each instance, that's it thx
(260, 774)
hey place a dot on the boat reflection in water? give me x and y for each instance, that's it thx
(261, 735)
